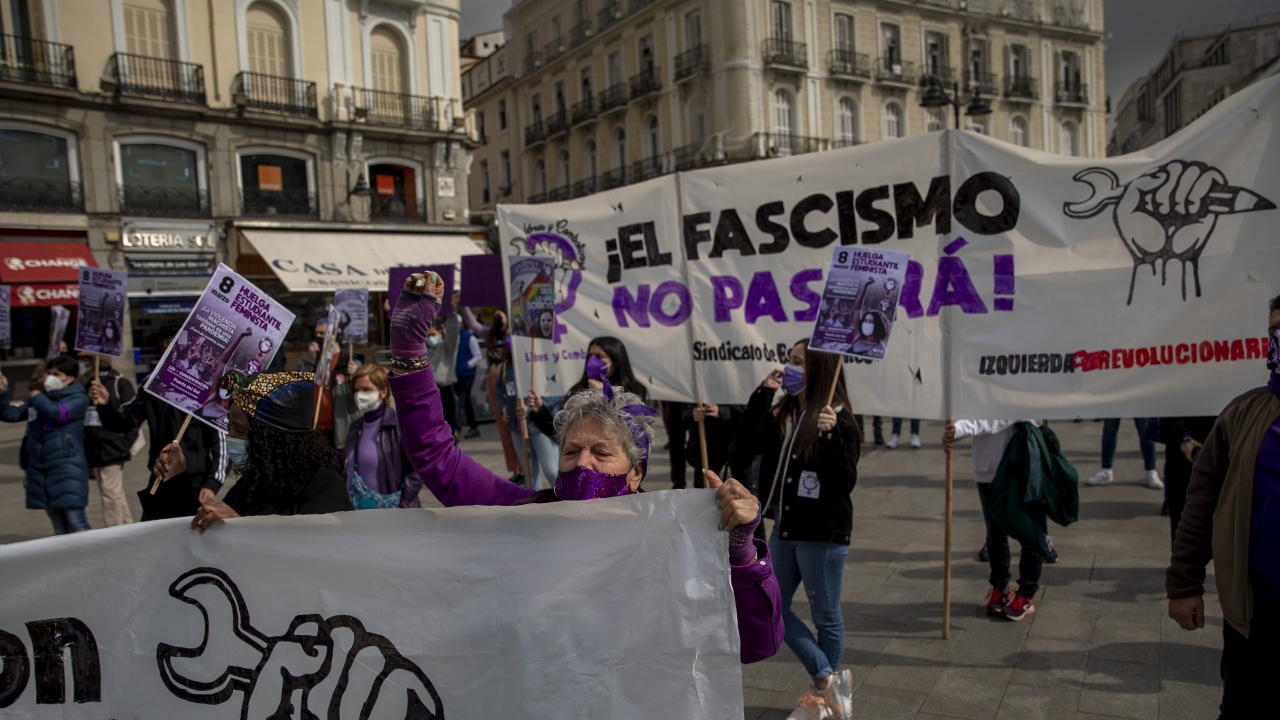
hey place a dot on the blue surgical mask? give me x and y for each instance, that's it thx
(238, 452)
(433, 340)
(793, 379)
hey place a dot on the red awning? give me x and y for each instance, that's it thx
(43, 262)
(44, 294)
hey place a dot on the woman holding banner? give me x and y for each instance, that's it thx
(810, 444)
(604, 440)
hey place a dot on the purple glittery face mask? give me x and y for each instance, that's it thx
(1273, 353)
(582, 483)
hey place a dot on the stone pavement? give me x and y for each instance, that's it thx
(1099, 644)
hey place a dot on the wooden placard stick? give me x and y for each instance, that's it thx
(181, 431)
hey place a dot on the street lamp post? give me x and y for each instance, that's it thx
(936, 95)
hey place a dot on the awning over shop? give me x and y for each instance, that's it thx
(43, 262)
(316, 262)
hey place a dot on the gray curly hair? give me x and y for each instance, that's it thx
(610, 415)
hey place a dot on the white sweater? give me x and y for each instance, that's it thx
(990, 439)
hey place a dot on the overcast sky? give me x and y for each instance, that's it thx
(1138, 31)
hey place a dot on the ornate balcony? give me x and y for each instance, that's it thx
(564, 192)
(37, 62)
(692, 156)
(535, 133)
(537, 198)
(646, 169)
(694, 61)
(645, 83)
(785, 54)
(557, 124)
(945, 75)
(283, 204)
(983, 83)
(849, 65)
(156, 78)
(844, 143)
(586, 186)
(580, 33)
(613, 179)
(272, 94)
(1021, 88)
(893, 71)
(609, 14)
(553, 49)
(1027, 10)
(415, 112)
(169, 202)
(532, 62)
(613, 98)
(1071, 93)
(40, 196)
(785, 144)
(584, 112)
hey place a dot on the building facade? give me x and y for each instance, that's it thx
(592, 94)
(151, 135)
(1199, 70)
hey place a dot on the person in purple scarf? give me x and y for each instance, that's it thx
(604, 440)
(373, 457)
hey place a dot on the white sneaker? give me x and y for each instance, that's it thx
(844, 693)
(830, 697)
(1153, 480)
(915, 441)
(893, 441)
(1102, 477)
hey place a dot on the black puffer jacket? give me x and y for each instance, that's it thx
(813, 499)
(103, 447)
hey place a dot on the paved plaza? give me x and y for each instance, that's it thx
(1098, 646)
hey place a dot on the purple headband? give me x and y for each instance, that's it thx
(631, 412)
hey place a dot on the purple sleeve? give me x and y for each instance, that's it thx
(450, 474)
(474, 325)
(759, 603)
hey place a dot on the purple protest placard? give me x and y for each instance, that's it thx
(328, 348)
(353, 314)
(533, 297)
(482, 284)
(859, 302)
(6, 324)
(233, 327)
(397, 275)
(57, 328)
(100, 324)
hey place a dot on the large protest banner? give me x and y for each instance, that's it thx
(1039, 285)
(100, 323)
(234, 326)
(620, 608)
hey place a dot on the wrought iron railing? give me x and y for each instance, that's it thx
(1022, 10)
(613, 179)
(784, 52)
(637, 5)
(613, 97)
(557, 123)
(645, 82)
(586, 186)
(694, 61)
(645, 169)
(553, 49)
(849, 64)
(691, 156)
(24, 59)
(537, 198)
(945, 75)
(395, 212)
(171, 202)
(784, 144)
(981, 83)
(532, 62)
(159, 78)
(40, 196)
(535, 132)
(1071, 93)
(895, 70)
(844, 143)
(609, 14)
(273, 94)
(584, 111)
(1022, 87)
(564, 192)
(580, 32)
(298, 203)
(415, 112)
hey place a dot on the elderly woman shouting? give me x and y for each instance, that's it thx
(604, 440)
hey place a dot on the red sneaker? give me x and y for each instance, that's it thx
(1019, 608)
(997, 600)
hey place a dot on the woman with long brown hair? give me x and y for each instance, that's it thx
(810, 449)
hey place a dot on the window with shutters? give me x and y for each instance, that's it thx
(590, 167)
(1069, 139)
(891, 121)
(267, 40)
(148, 28)
(780, 20)
(846, 122)
(784, 111)
(386, 61)
(844, 33)
(1018, 133)
(933, 121)
(620, 149)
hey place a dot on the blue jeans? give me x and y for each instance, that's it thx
(897, 426)
(1111, 429)
(68, 520)
(821, 566)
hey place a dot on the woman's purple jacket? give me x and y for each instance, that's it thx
(456, 479)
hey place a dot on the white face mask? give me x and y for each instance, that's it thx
(53, 383)
(868, 329)
(368, 401)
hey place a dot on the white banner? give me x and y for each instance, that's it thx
(618, 608)
(1039, 285)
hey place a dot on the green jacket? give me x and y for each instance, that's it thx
(1033, 472)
